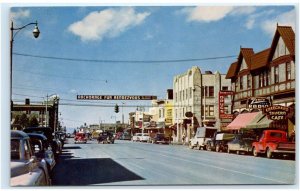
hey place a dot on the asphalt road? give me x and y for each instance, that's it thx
(131, 163)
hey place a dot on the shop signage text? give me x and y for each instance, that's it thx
(116, 97)
(258, 103)
(222, 114)
(276, 112)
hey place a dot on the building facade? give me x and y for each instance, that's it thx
(197, 93)
(268, 75)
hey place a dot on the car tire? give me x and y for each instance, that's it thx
(237, 152)
(254, 151)
(208, 147)
(228, 150)
(269, 153)
(217, 148)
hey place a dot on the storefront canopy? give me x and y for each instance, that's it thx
(242, 120)
(260, 121)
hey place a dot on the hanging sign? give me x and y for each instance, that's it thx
(276, 112)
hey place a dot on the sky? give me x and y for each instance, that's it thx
(129, 50)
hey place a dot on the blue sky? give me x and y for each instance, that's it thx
(140, 33)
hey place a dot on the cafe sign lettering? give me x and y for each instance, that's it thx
(276, 112)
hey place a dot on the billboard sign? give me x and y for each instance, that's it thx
(116, 97)
(222, 113)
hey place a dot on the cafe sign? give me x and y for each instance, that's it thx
(276, 112)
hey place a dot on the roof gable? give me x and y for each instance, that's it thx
(288, 36)
(246, 54)
(231, 71)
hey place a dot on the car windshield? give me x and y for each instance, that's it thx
(15, 149)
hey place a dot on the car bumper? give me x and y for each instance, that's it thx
(283, 151)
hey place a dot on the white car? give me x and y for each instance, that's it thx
(26, 170)
(141, 137)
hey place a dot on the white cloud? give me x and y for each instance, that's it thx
(20, 14)
(287, 18)
(214, 13)
(73, 91)
(108, 23)
(250, 23)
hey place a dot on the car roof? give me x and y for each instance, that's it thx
(18, 134)
(37, 135)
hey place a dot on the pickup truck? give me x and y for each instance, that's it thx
(219, 141)
(273, 142)
(203, 134)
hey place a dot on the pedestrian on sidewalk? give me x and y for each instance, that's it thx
(183, 139)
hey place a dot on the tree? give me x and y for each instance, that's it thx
(24, 121)
(33, 122)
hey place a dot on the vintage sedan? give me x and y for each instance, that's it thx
(160, 138)
(241, 143)
(26, 170)
(80, 138)
(47, 131)
(42, 149)
(106, 137)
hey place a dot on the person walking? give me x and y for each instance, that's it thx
(183, 138)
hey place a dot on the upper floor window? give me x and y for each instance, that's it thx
(225, 88)
(248, 81)
(208, 91)
(276, 74)
(288, 71)
(241, 83)
(261, 80)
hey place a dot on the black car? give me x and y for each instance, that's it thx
(61, 135)
(42, 149)
(160, 138)
(106, 137)
(241, 143)
(47, 131)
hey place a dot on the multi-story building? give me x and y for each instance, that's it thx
(268, 74)
(197, 93)
(45, 113)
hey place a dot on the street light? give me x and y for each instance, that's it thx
(36, 33)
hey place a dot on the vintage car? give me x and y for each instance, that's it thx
(273, 143)
(202, 136)
(160, 138)
(61, 136)
(141, 137)
(80, 138)
(241, 143)
(219, 141)
(47, 131)
(106, 137)
(125, 136)
(26, 170)
(42, 149)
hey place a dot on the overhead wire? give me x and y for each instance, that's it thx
(123, 61)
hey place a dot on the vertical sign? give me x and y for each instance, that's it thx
(222, 96)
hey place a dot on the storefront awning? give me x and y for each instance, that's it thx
(241, 121)
(260, 121)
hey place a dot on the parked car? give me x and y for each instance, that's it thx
(136, 137)
(61, 136)
(106, 137)
(52, 140)
(160, 138)
(203, 134)
(241, 143)
(80, 138)
(26, 170)
(125, 136)
(42, 149)
(219, 141)
(273, 142)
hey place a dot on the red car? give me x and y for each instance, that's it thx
(80, 138)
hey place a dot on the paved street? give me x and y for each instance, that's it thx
(131, 163)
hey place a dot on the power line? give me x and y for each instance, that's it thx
(122, 61)
(57, 76)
